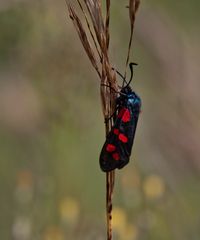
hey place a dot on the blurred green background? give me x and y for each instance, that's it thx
(51, 125)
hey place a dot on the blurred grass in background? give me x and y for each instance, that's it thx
(51, 126)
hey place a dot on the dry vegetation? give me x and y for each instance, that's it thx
(51, 126)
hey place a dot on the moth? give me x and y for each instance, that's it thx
(117, 148)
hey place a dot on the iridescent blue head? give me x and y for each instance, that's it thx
(127, 95)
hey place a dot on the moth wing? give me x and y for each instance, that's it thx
(110, 157)
(117, 148)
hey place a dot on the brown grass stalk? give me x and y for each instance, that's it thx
(89, 28)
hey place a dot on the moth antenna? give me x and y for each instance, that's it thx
(131, 69)
(124, 80)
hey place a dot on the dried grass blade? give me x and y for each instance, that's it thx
(133, 7)
(107, 23)
(94, 10)
(89, 28)
(83, 37)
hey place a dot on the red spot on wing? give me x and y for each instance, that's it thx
(110, 148)
(115, 156)
(123, 138)
(121, 113)
(126, 116)
(116, 131)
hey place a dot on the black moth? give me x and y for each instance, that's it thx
(117, 148)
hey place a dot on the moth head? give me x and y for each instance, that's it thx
(126, 90)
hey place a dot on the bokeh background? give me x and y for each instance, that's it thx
(51, 125)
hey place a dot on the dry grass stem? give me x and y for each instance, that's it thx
(90, 30)
(107, 23)
(83, 38)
